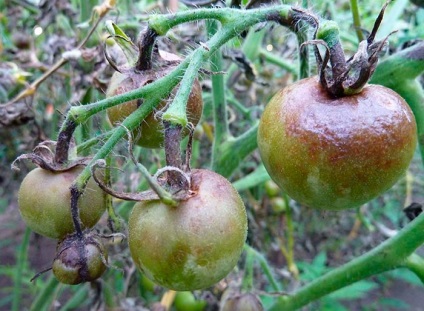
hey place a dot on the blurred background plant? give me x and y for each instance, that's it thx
(300, 244)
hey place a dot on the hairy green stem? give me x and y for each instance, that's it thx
(264, 265)
(329, 32)
(79, 114)
(130, 123)
(93, 141)
(219, 102)
(176, 113)
(356, 19)
(302, 36)
(389, 255)
(415, 263)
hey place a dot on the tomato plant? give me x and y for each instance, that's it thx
(330, 142)
(44, 202)
(195, 244)
(336, 153)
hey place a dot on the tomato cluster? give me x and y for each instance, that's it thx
(325, 151)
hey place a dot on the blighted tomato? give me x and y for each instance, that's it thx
(194, 245)
(80, 260)
(336, 153)
(45, 202)
(150, 132)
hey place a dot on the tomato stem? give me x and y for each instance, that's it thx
(176, 113)
(75, 195)
(173, 154)
(356, 19)
(145, 45)
(63, 141)
(415, 263)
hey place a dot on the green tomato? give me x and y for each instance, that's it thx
(272, 189)
(185, 301)
(44, 201)
(194, 245)
(150, 133)
(278, 205)
(336, 153)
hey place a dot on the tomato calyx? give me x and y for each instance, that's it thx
(176, 186)
(44, 155)
(348, 77)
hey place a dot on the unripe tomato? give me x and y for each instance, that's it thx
(272, 189)
(150, 132)
(45, 202)
(194, 245)
(69, 267)
(336, 153)
(278, 205)
(185, 301)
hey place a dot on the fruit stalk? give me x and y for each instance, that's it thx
(63, 141)
(173, 153)
(145, 46)
(389, 255)
(415, 263)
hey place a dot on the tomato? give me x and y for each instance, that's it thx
(336, 153)
(235, 301)
(185, 301)
(150, 131)
(194, 245)
(69, 267)
(44, 202)
(272, 189)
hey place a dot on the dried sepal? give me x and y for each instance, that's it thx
(43, 155)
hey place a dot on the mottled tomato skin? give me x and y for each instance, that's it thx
(44, 202)
(336, 153)
(194, 245)
(68, 266)
(150, 132)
